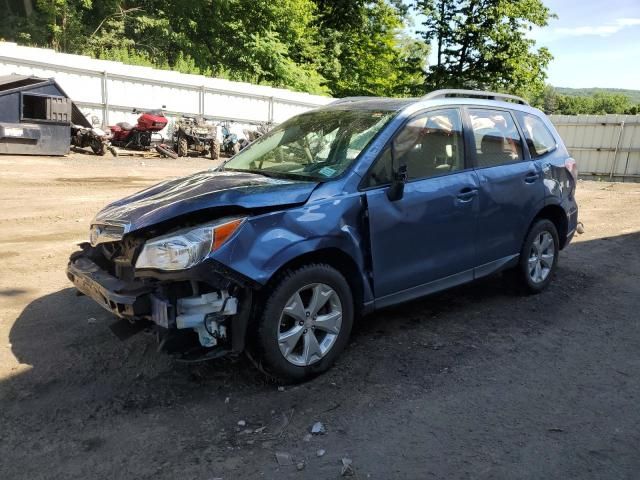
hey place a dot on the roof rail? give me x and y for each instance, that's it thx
(474, 94)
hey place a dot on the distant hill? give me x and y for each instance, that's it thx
(634, 95)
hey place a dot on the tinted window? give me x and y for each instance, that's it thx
(496, 137)
(429, 145)
(539, 138)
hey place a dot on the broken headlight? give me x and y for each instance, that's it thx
(187, 247)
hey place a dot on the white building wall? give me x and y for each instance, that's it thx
(110, 90)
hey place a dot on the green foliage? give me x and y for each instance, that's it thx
(364, 50)
(598, 103)
(317, 46)
(633, 95)
(483, 44)
(337, 47)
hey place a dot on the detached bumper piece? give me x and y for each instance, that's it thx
(209, 315)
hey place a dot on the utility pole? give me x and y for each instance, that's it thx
(440, 32)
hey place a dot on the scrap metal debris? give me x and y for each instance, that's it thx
(284, 459)
(318, 428)
(347, 468)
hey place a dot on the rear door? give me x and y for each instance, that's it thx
(510, 186)
(428, 234)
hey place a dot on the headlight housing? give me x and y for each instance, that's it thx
(187, 247)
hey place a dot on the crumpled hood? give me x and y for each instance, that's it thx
(203, 190)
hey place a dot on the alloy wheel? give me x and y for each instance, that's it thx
(541, 257)
(309, 324)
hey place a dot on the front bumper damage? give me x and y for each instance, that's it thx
(208, 303)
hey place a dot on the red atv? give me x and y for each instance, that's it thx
(139, 136)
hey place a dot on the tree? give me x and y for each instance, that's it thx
(364, 51)
(317, 46)
(483, 44)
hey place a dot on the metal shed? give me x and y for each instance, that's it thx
(35, 116)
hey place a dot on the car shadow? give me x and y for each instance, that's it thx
(66, 349)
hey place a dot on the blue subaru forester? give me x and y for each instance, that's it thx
(339, 211)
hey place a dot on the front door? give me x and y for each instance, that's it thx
(427, 235)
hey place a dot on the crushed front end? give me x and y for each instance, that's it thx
(200, 312)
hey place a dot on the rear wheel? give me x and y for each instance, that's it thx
(305, 323)
(539, 256)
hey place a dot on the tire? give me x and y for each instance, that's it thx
(166, 151)
(98, 148)
(215, 150)
(536, 269)
(278, 331)
(183, 147)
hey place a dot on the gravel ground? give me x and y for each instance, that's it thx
(477, 382)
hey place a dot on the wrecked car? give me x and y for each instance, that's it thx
(339, 211)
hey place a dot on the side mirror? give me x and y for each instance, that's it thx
(396, 189)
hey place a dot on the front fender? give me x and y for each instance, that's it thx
(268, 241)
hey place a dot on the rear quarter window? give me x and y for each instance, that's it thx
(537, 135)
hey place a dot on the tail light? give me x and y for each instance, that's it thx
(571, 165)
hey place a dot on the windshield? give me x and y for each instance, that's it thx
(314, 146)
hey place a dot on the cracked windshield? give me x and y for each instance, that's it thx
(316, 146)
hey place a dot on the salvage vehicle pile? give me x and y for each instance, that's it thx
(190, 136)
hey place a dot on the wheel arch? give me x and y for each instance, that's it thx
(557, 215)
(335, 258)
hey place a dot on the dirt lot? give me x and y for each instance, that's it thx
(477, 382)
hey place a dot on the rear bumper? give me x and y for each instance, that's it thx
(130, 300)
(572, 223)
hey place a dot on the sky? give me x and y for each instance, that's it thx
(595, 43)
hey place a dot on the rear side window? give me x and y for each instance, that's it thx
(496, 137)
(539, 139)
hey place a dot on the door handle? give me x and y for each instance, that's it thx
(467, 194)
(531, 177)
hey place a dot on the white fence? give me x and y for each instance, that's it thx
(111, 90)
(603, 145)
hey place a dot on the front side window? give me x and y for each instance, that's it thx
(539, 139)
(496, 137)
(430, 145)
(317, 145)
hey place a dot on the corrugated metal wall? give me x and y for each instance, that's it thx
(110, 90)
(603, 145)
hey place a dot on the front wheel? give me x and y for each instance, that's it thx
(215, 149)
(304, 324)
(183, 147)
(165, 151)
(98, 147)
(539, 256)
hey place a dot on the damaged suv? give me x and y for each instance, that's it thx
(348, 208)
